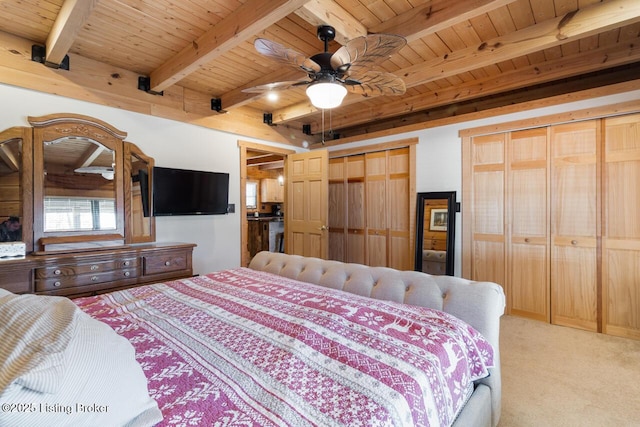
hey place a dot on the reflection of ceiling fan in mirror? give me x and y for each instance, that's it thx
(332, 74)
(106, 172)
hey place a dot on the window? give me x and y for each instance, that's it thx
(68, 213)
(252, 194)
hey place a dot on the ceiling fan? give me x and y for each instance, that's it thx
(331, 74)
(106, 172)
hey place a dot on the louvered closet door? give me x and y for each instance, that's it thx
(528, 241)
(488, 207)
(337, 209)
(376, 213)
(574, 220)
(621, 227)
(355, 210)
(399, 211)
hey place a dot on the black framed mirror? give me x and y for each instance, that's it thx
(435, 232)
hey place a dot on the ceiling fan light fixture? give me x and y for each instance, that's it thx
(326, 95)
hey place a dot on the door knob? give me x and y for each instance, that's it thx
(324, 227)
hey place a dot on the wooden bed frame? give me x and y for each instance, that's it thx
(480, 304)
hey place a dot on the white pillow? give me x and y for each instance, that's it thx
(78, 372)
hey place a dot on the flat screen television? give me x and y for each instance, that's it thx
(189, 192)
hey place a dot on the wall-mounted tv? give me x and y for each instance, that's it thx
(189, 192)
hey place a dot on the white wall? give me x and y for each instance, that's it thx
(171, 144)
(180, 145)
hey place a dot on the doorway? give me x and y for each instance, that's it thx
(262, 168)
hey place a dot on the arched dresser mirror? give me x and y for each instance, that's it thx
(16, 208)
(78, 182)
(435, 232)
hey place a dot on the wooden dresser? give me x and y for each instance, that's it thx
(93, 272)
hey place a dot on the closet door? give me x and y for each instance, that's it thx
(528, 241)
(487, 164)
(377, 210)
(574, 224)
(355, 210)
(337, 209)
(621, 227)
(399, 182)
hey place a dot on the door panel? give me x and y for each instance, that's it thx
(307, 204)
(488, 207)
(621, 227)
(574, 219)
(528, 244)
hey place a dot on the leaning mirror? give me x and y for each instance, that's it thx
(435, 232)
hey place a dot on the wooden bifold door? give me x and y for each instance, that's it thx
(551, 213)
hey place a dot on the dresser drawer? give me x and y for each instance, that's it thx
(70, 281)
(88, 268)
(165, 263)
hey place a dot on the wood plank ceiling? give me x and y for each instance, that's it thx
(461, 56)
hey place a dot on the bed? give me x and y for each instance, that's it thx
(259, 346)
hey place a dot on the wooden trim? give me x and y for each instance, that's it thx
(66, 118)
(559, 118)
(76, 239)
(244, 232)
(466, 212)
(508, 109)
(402, 143)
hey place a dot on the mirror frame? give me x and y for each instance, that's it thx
(450, 196)
(132, 150)
(54, 126)
(26, 215)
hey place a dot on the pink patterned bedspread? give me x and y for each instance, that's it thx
(249, 348)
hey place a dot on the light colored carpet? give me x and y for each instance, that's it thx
(558, 376)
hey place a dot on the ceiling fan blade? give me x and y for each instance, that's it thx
(376, 83)
(285, 55)
(276, 86)
(367, 50)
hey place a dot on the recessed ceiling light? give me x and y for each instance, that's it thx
(272, 96)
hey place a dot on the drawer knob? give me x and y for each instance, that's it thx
(167, 263)
(527, 240)
(57, 284)
(126, 263)
(94, 278)
(57, 272)
(127, 274)
(94, 267)
(574, 242)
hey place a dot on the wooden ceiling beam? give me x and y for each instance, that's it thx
(68, 23)
(242, 24)
(566, 90)
(435, 16)
(328, 12)
(89, 156)
(9, 158)
(582, 23)
(569, 66)
(585, 22)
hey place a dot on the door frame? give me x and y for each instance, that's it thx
(267, 149)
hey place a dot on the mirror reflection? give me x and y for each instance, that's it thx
(140, 197)
(435, 232)
(79, 186)
(10, 190)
